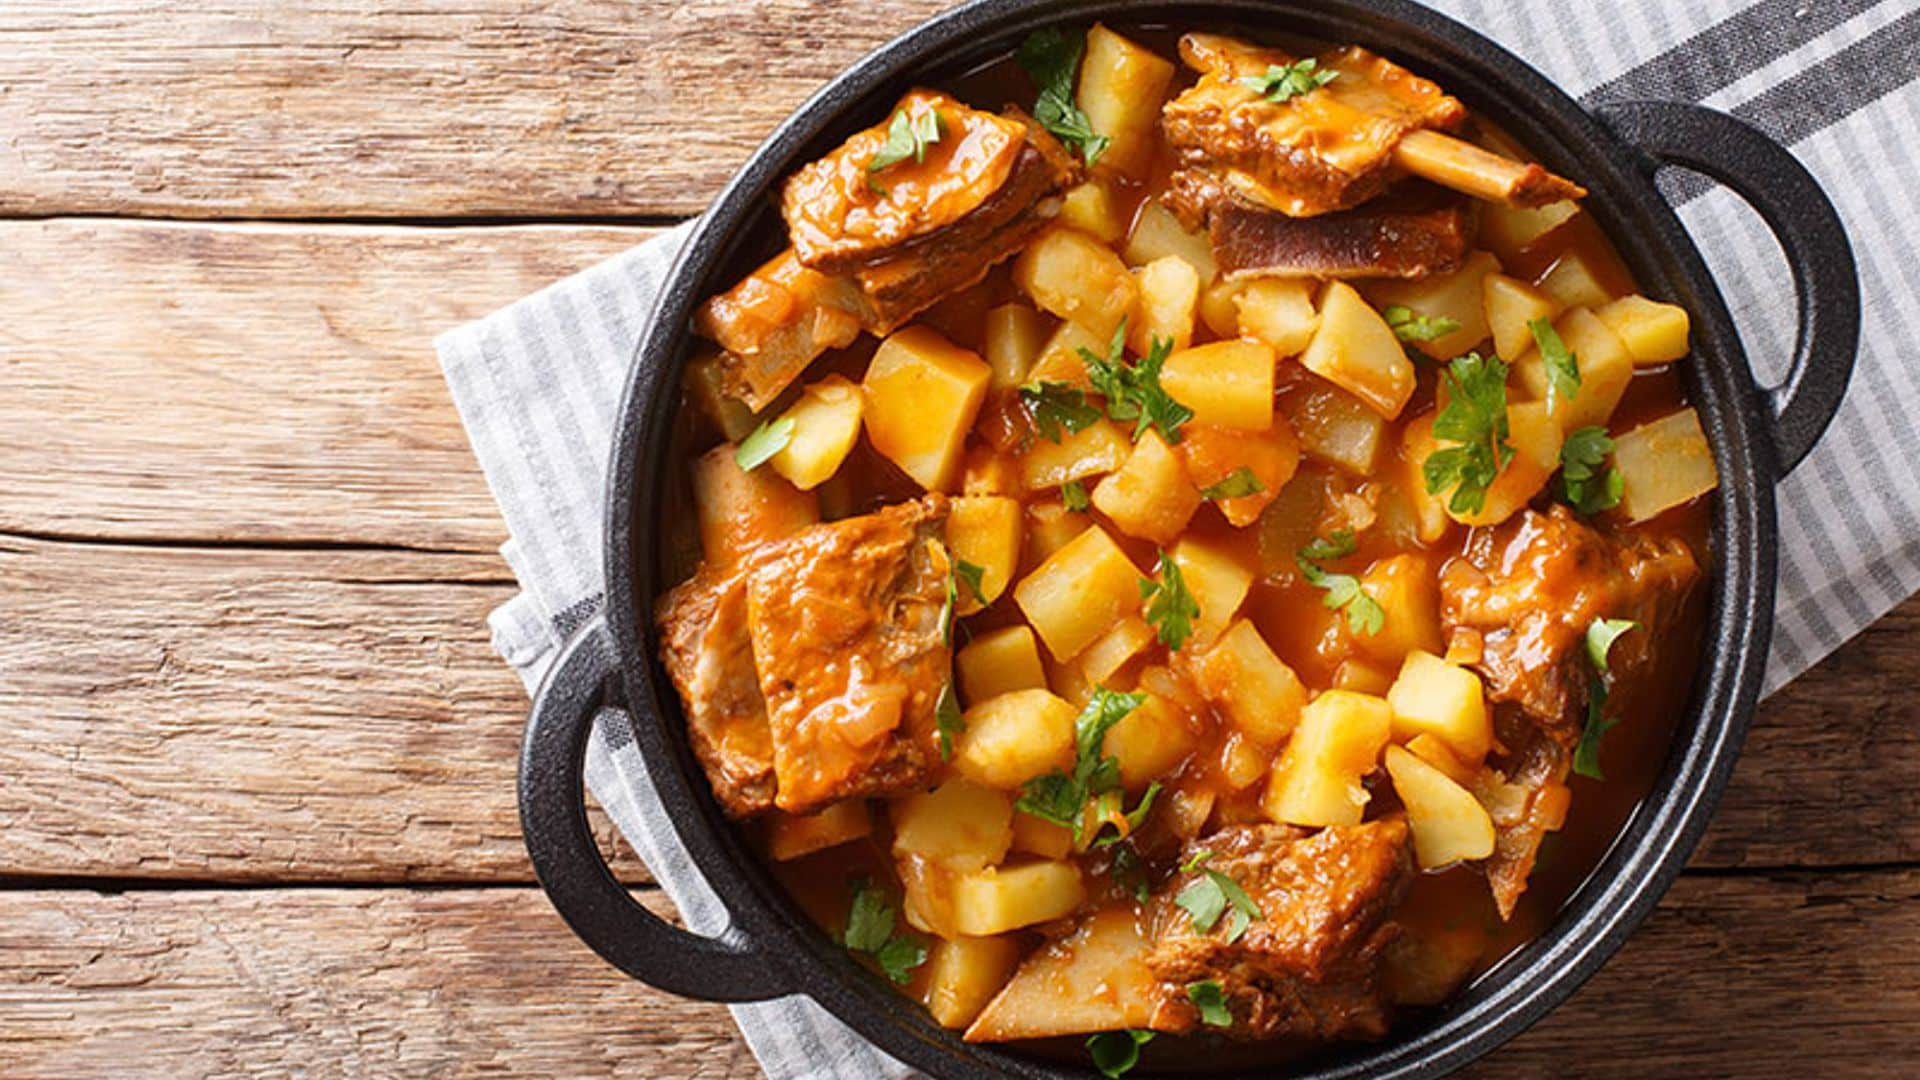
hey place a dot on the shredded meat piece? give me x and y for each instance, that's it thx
(1413, 230)
(848, 640)
(1516, 800)
(709, 657)
(1310, 965)
(774, 323)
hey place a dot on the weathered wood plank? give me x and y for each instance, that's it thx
(1821, 972)
(327, 108)
(221, 382)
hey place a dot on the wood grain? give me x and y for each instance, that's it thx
(1726, 979)
(330, 108)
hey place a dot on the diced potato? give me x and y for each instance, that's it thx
(1228, 383)
(1218, 583)
(1433, 697)
(998, 899)
(1150, 742)
(1091, 208)
(1317, 780)
(964, 973)
(985, 530)
(1220, 307)
(1254, 689)
(1535, 437)
(1510, 305)
(987, 471)
(1111, 650)
(1079, 592)
(1050, 526)
(1404, 587)
(1361, 677)
(960, 824)
(1434, 751)
(1095, 979)
(1100, 447)
(1060, 360)
(1335, 427)
(1076, 277)
(1149, 496)
(1429, 510)
(1606, 367)
(1070, 684)
(1013, 737)
(790, 837)
(1277, 311)
(926, 895)
(1573, 282)
(998, 662)
(1169, 294)
(1354, 349)
(1244, 761)
(922, 394)
(1015, 334)
(1121, 87)
(1653, 332)
(1662, 464)
(1449, 825)
(1458, 296)
(1038, 836)
(826, 421)
(723, 410)
(1510, 230)
(1157, 233)
(741, 510)
(1214, 454)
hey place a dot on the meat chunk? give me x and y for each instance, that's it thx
(850, 645)
(1521, 800)
(774, 323)
(1415, 229)
(709, 656)
(1310, 965)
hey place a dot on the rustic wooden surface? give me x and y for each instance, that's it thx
(257, 766)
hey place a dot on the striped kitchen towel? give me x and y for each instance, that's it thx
(1838, 81)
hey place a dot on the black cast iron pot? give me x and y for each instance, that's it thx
(1758, 435)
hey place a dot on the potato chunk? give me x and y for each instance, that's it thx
(998, 899)
(1169, 295)
(962, 825)
(922, 394)
(985, 530)
(1015, 334)
(1509, 230)
(826, 421)
(1536, 438)
(1654, 333)
(1404, 587)
(1150, 496)
(1098, 448)
(1226, 383)
(1510, 305)
(1574, 283)
(1038, 836)
(1218, 583)
(740, 510)
(1076, 277)
(1449, 825)
(1252, 687)
(1429, 509)
(998, 662)
(1121, 87)
(1014, 737)
(1606, 367)
(1354, 349)
(1060, 359)
(1433, 697)
(1459, 296)
(1111, 650)
(791, 836)
(1664, 463)
(1095, 979)
(1277, 311)
(1050, 527)
(1157, 233)
(1091, 208)
(964, 973)
(1081, 590)
(1150, 742)
(1316, 781)
(1214, 455)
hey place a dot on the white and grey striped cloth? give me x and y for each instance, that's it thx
(538, 383)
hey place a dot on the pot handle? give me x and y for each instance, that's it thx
(553, 818)
(1803, 219)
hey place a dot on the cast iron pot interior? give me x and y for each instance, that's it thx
(770, 949)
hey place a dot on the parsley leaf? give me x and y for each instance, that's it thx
(1211, 1000)
(899, 956)
(1476, 420)
(870, 930)
(1196, 860)
(1133, 391)
(1171, 609)
(1058, 409)
(908, 137)
(1364, 613)
(1073, 496)
(1408, 326)
(971, 576)
(771, 437)
(1110, 808)
(1235, 485)
(1601, 634)
(1563, 368)
(1115, 1053)
(1213, 894)
(1060, 797)
(1050, 58)
(1289, 81)
(1582, 484)
(947, 717)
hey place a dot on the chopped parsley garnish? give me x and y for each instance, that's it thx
(1109, 806)
(1115, 1053)
(1582, 483)
(908, 137)
(1171, 609)
(966, 573)
(771, 437)
(1213, 894)
(946, 715)
(1364, 613)
(1073, 496)
(1061, 797)
(1050, 58)
(1408, 326)
(1289, 81)
(1058, 409)
(1133, 391)
(1563, 368)
(1235, 485)
(1476, 419)
(1211, 1000)
(1601, 634)
(870, 931)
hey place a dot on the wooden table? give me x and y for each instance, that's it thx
(256, 785)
